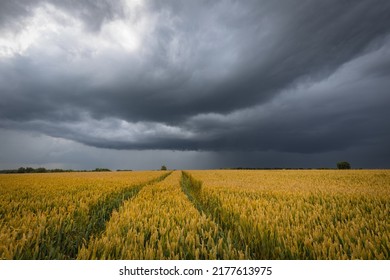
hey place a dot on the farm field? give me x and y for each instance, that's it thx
(48, 216)
(210, 214)
(301, 214)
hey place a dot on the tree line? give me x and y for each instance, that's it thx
(44, 170)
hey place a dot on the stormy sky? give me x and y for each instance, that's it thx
(194, 84)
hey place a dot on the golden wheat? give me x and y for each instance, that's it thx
(313, 214)
(160, 223)
(42, 214)
(213, 214)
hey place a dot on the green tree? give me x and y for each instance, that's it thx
(163, 167)
(101, 169)
(343, 165)
(22, 170)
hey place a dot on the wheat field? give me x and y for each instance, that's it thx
(209, 214)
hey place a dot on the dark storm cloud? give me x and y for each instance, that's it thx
(233, 59)
(290, 76)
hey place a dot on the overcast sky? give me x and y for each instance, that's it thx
(194, 84)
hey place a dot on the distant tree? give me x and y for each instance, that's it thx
(40, 170)
(343, 165)
(101, 169)
(29, 170)
(163, 167)
(57, 170)
(22, 170)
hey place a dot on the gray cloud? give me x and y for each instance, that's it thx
(93, 13)
(286, 76)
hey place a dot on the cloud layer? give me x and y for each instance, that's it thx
(286, 76)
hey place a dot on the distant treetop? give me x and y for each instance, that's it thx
(343, 165)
